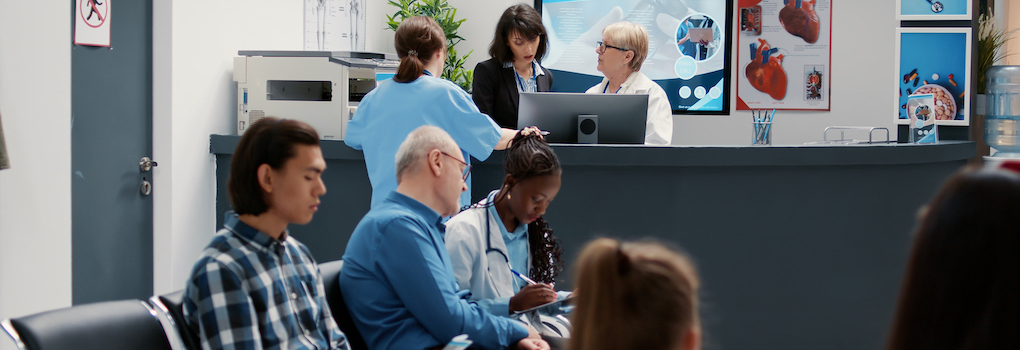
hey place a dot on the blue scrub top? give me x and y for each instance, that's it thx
(688, 47)
(399, 285)
(392, 110)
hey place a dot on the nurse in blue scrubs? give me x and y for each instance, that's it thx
(417, 96)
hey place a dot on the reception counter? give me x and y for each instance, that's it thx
(799, 247)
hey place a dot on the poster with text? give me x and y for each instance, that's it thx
(933, 61)
(783, 54)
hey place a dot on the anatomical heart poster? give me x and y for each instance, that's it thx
(783, 54)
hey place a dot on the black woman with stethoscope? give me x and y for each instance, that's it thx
(505, 232)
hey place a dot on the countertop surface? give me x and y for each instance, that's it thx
(721, 155)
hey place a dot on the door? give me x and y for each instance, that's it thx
(111, 130)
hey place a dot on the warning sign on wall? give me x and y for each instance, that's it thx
(92, 22)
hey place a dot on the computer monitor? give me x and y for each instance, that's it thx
(621, 117)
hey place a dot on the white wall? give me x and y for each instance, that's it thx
(35, 193)
(198, 40)
(1010, 12)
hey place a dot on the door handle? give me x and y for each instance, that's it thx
(146, 164)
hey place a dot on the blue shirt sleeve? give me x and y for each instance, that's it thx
(476, 133)
(496, 306)
(424, 283)
(356, 126)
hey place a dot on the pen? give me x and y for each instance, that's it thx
(543, 132)
(523, 277)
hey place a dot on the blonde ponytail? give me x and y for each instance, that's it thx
(633, 296)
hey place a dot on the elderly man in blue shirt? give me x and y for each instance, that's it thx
(397, 278)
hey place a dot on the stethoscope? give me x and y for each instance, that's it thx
(488, 244)
(935, 6)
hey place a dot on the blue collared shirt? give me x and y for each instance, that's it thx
(392, 110)
(516, 245)
(399, 285)
(251, 291)
(529, 84)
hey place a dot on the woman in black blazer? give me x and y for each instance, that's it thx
(516, 49)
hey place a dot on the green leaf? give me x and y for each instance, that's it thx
(445, 15)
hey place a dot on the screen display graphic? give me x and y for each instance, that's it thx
(688, 46)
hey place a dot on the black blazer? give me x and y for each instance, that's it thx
(495, 91)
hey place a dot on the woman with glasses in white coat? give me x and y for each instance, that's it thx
(622, 50)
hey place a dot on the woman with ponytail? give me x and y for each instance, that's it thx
(634, 296)
(416, 97)
(505, 233)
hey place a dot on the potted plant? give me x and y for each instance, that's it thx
(444, 14)
(991, 40)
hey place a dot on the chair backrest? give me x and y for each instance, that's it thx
(173, 306)
(330, 272)
(123, 324)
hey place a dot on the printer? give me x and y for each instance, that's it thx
(321, 88)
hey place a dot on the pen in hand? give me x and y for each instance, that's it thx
(523, 277)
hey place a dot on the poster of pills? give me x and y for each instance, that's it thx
(944, 73)
(783, 54)
(929, 10)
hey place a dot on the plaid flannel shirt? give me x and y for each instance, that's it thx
(250, 291)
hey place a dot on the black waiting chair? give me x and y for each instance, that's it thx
(172, 307)
(123, 324)
(330, 272)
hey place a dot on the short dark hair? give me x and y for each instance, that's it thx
(268, 141)
(963, 277)
(524, 20)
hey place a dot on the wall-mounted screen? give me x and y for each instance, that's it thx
(688, 47)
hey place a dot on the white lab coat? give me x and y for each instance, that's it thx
(479, 267)
(659, 128)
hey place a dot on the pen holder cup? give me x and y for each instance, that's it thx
(762, 133)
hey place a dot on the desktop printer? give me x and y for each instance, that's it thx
(321, 88)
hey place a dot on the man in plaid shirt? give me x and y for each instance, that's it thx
(254, 286)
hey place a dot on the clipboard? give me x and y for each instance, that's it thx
(563, 302)
(698, 35)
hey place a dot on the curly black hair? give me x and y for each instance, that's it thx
(530, 156)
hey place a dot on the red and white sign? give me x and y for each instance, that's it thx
(92, 22)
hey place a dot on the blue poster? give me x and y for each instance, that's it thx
(934, 9)
(935, 62)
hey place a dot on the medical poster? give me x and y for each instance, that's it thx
(783, 54)
(689, 44)
(936, 62)
(933, 10)
(335, 25)
(92, 22)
